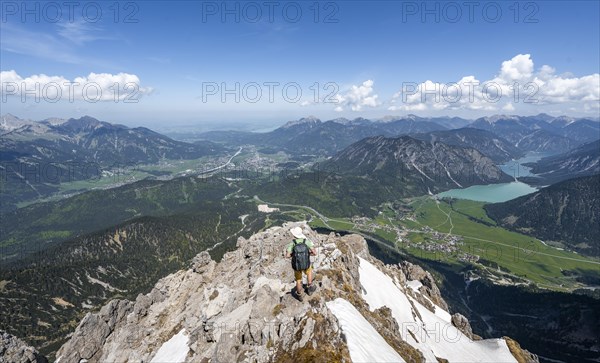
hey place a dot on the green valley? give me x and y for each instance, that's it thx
(460, 233)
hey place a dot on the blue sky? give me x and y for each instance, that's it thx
(363, 51)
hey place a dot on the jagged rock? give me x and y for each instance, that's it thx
(228, 349)
(307, 332)
(90, 336)
(261, 315)
(14, 350)
(462, 323)
(430, 289)
(329, 246)
(522, 355)
(241, 308)
(200, 261)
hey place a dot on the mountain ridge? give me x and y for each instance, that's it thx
(567, 212)
(249, 314)
(542, 132)
(581, 161)
(37, 157)
(432, 166)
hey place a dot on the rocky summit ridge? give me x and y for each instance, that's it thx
(241, 309)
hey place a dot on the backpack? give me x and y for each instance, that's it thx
(300, 255)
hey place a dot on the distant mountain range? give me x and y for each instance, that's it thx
(514, 135)
(91, 145)
(582, 161)
(488, 143)
(379, 169)
(542, 133)
(313, 136)
(89, 140)
(567, 212)
(38, 156)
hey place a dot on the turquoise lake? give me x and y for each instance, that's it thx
(495, 193)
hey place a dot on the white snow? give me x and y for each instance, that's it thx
(365, 344)
(414, 284)
(380, 290)
(174, 350)
(432, 333)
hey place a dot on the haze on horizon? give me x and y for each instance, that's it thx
(234, 65)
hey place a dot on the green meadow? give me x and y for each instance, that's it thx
(499, 250)
(521, 255)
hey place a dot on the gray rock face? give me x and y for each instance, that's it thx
(462, 323)
(14, 350)
(429, 288)
(241, 309)
(89, 338)
(235, 310)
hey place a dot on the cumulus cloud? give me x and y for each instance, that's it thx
(358, 97)
(95, 87)
(516, 83)
(520, 67)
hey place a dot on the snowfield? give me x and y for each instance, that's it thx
(432, 333)
(364, 342)
(174, 350)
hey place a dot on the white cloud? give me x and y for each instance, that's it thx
(409, 107)
(560, 90)
(358, 97)
(516, 84)
(95, 87)
(520, 67)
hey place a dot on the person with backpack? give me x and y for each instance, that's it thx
(300, 249)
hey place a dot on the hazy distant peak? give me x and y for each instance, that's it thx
(310, 120)
(10, 122)
(341, 120)
(563, 121)
(545, 117)
(391, 118)
(388, 118)
(9, 116)
(54, 121)
(496, 118)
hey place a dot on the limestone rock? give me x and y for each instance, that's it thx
(14, 350)
(241, 309)
(429, 288)
(462, 323)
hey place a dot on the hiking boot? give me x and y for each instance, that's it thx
(297, 295)
(310, 289)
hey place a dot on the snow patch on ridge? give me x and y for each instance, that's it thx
(175, 350)
(365, 344)
(431, 333)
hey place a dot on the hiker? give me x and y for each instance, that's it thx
(300, 250)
